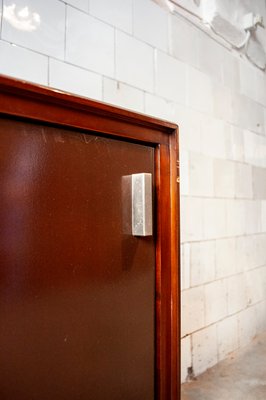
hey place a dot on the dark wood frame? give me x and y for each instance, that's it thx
(23, 100)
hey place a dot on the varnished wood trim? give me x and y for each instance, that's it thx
(19, 99)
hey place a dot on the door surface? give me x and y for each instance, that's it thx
(77, 299)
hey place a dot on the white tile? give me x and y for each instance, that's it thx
(210, 56)
(224, 178)
(184, 172)
(202, 260)
(235, 217)
(185, 266)
(245, 248)
(247, 113)
(23, 64)
(214, 137)
(37, 25)
(189, 122)
(115, 12)
(222, 102)
(230, 70)
(201, 175)
(214, 218)
(236, 292)
(255, 285)
(122, 95)
(191, 219)
(159, 107)
(134, 62)
(81, 4)
(192, 314)
(248, 74)
(247, 320)
(199, 94)
(154, 29)
(225, 257)
(260, 316)
(259, 180)
(89, 42)
(263, 216)
(235, 143)
(215, 301)
(170, 78)
(253, 216)
(227, 336)
(204, 349)
(243, 181)
(261, 87)
(75, 80)
(183, 37)
(185, 357)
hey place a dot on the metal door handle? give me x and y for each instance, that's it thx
(137, 204)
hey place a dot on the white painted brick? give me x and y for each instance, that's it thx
(235, 217)
(222, 102)
(184, 172)
(24, 64)
(134, 62)
(183, 37)
(235, 143)
(186, 361)
(225, 257)
(159, 107)
(215, 301)
(185, 266)
(116, 12)
(170, 78)
(224, 178)
(263, 216)
(253, 215)
(89, 42)
(248, 76)
(154, 29)
(200, 175)
(255, 149)
(243, 181)
(191, 219)
(236, 292)
(204, 349)
(210, 56)
(214, 137)
(202, 261)
(255, 285)
(227, 336)
(247, 320)
(81, 4)
(230, 71)
(192, 301)
(200, 94)
(122, 95)
(74, 80)
(46, 37)
(214, 218)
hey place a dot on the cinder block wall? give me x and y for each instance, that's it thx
(134, 54)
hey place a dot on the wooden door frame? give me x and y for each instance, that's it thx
(19, 99)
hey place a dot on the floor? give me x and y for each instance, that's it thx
(241, 377)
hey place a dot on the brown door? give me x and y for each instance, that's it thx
(77, 299)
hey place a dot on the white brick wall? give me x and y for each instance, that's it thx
(134, 54)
